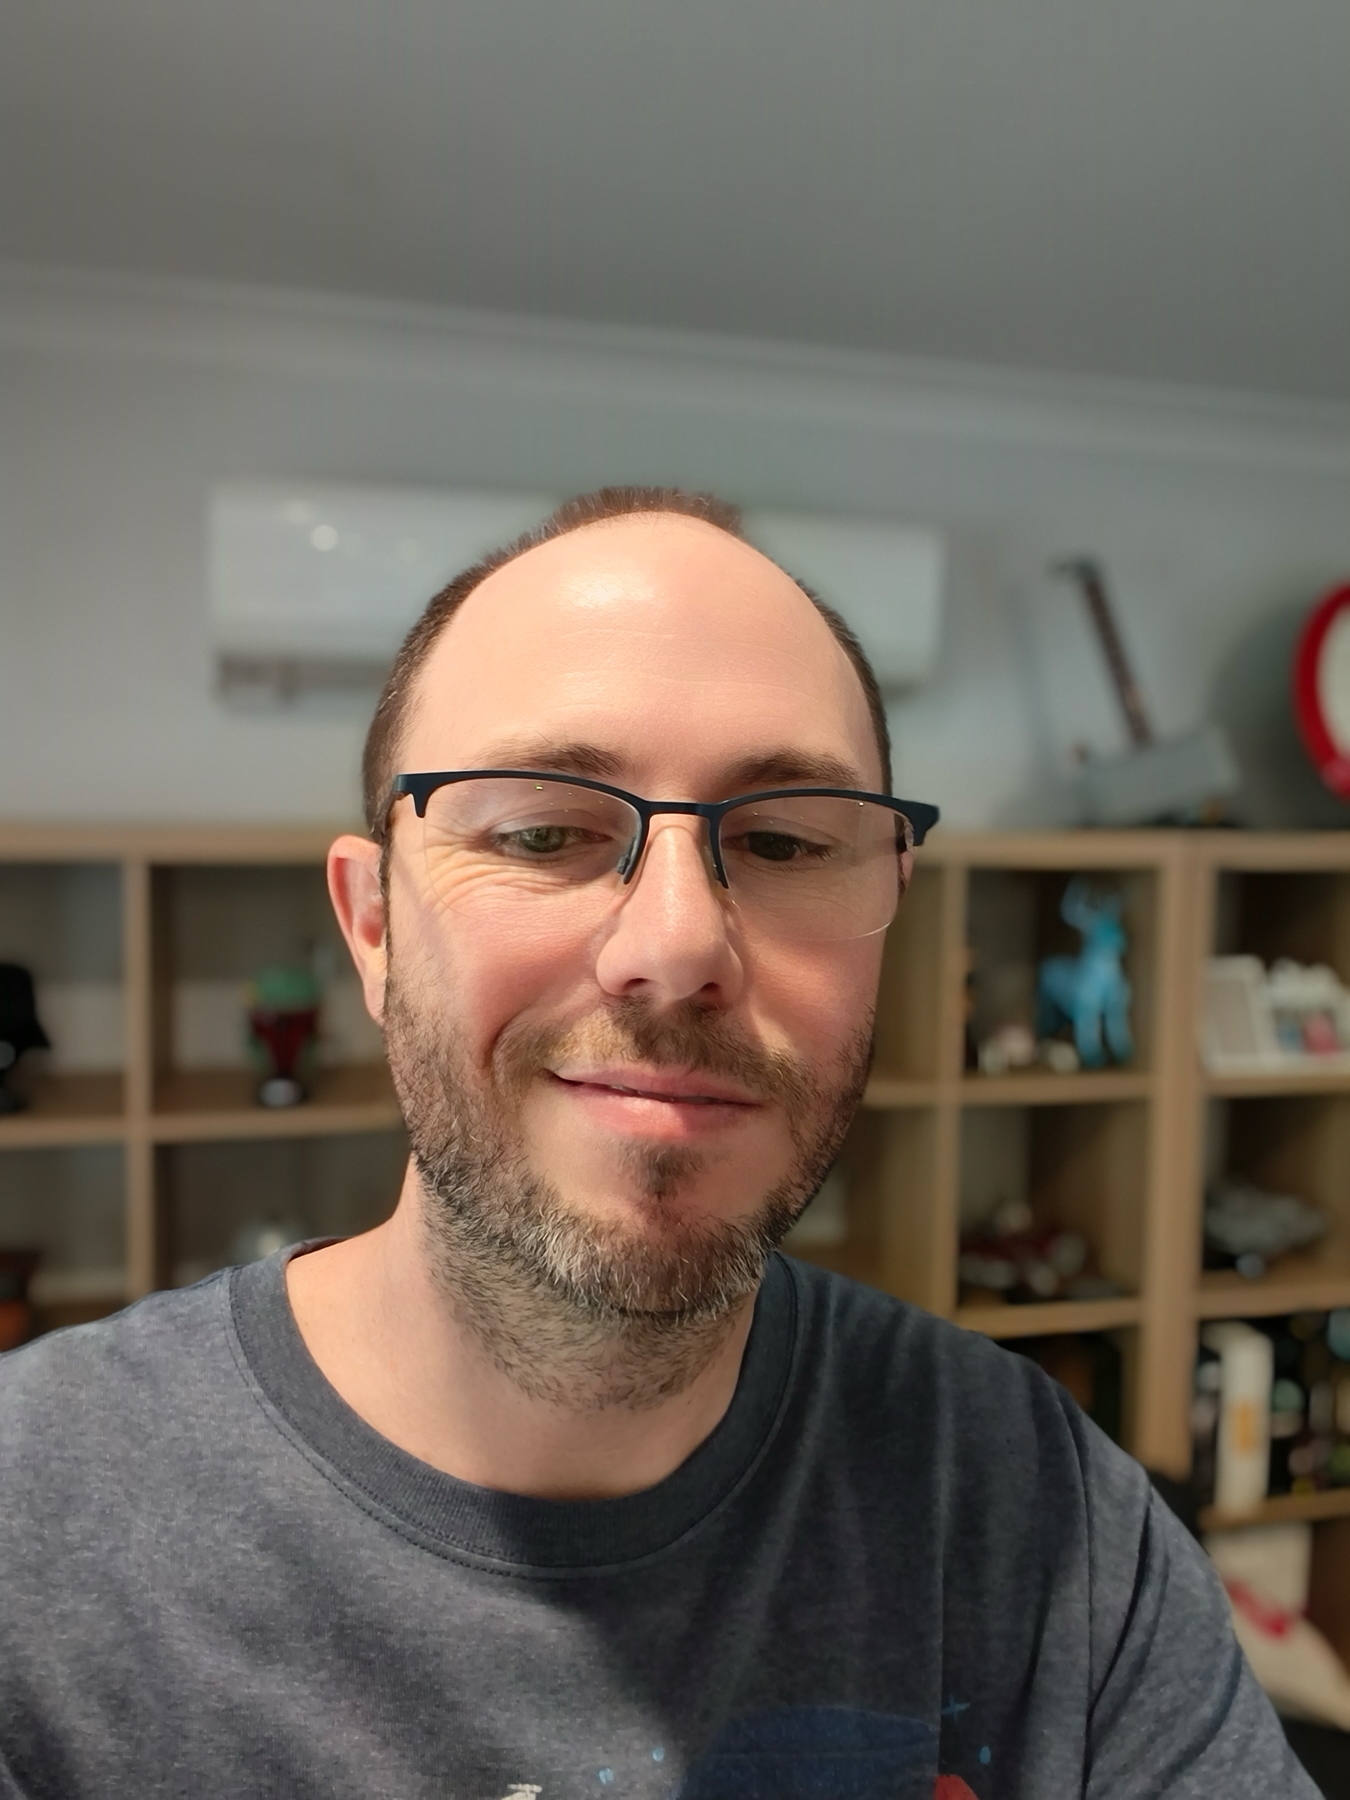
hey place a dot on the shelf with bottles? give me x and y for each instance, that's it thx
(219, 932)
(62, 1211)
(1042, 1087)
(1050, 1215)
(61, 922)
(236, 1199)
(1027, 932)
(1278, 1176)
(1270, 1417)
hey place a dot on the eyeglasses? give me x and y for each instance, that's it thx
(810, 863)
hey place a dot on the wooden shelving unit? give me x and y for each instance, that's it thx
(1119, 1154)
(1109, 1152)
(169, 889)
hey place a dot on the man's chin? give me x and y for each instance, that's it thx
(638, 1254)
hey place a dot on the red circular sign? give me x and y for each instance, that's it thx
(1322, 689)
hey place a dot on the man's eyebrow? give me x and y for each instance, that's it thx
(553, 756)
(792, 768)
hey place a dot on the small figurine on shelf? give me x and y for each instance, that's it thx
(1010, 1257)
(1009, 1047)
(1089, 991)
(283, 1024)
(19, 1028)
(1246, 1227)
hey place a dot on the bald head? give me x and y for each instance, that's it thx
(621, 605)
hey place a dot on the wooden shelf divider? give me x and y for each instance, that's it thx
(1331, 1503)
(1052, 1318)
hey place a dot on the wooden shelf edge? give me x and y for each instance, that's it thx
(1334, 1503)
(1263, 1083)
(68, 1109)
(1300, 1290)
(890, 1093)
(1053, 1318)
(1055, 850)
(1054, 1090)
(313, 1120)
(33, 841)
(1273, 852)
(43, 1132)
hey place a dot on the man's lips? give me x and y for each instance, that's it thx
(663, 1085)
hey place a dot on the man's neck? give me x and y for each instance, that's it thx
(404, 1351)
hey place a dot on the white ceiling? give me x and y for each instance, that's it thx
(1143, 188)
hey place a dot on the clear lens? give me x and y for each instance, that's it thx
(492, 841)
(814, 866)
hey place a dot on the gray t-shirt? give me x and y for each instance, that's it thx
(903, 1565)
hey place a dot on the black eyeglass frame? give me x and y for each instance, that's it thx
(920, 815)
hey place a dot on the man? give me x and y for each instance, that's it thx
(560, 1482)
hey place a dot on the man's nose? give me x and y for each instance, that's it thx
(669, 939)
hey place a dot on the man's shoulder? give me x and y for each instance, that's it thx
(882, 1370)
(84, 1383)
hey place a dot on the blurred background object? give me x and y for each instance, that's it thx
(16, 1312)
(20, 1029)
(283, 1022)
(1182, 780)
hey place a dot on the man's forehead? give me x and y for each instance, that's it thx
(659, 569)
(653, 616)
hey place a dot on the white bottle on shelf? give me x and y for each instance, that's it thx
(1247, 1371)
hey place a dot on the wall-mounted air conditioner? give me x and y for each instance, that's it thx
(313, 585)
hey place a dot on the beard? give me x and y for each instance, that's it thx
(590, 1312)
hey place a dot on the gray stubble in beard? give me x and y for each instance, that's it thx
(576, 1311)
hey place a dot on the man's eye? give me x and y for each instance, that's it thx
(781, 847)
(538, 840)
(545, 840)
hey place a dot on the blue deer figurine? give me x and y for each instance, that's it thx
(1090, 990)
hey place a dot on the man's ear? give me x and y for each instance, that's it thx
(354, 885)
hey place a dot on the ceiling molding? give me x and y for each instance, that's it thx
(333, 335)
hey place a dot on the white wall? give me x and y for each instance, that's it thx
(120, 403)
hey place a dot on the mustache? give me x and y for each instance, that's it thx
(688, 1038)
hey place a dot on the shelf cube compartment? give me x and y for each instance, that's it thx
(66, 1203)
(1027, 1172)
(1014, 923)
(227, 1202)
(1300, 914)
(63, 923)
(215, 929)
(1284, 1144)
